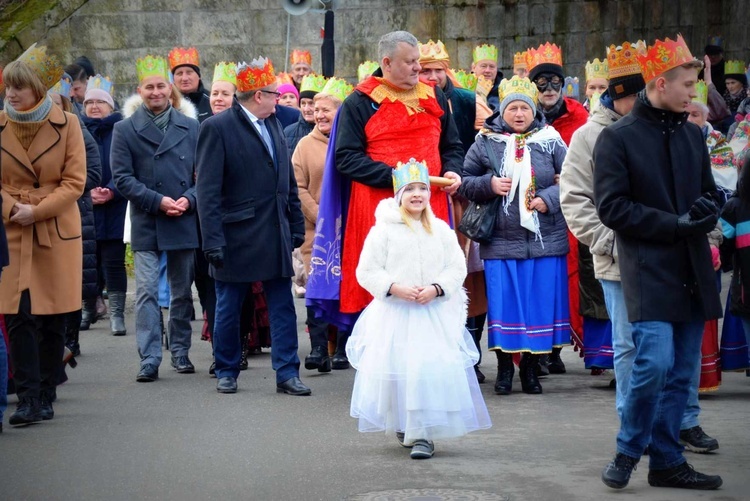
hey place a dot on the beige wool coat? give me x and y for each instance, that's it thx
(309, 161)
(45, 257)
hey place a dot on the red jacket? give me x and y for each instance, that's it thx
(569, 122)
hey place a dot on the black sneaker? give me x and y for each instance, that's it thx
(27, 411)
(45, 408)
(147, 374)
(684, 477)
(422, 449)
(183, 365)
(617, 473)
(695, 440)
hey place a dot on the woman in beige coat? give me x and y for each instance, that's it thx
(43, 175)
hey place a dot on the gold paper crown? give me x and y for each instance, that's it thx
(597, 69)
(46, 67)
(519, 60)
(623, 61)
(180, 56)
(100, 82)
(151, 66)
(256, 75)
(433, 52)
(734, 68)
(313, 83)
(300, 56)
(337, 88)
(701, 93)
(410, 172)
(284, 78)
(548, 53)
(517, 85)
(225, 72)
(466, 80)
(366, 69)
(664, 56)
(483, 52)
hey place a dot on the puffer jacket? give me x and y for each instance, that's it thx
(510, 240)
(88, 224)
(297, 131)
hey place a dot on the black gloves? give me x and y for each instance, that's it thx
(297, 240)
(215, 257)
(700, 219)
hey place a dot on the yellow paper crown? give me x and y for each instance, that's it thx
(548, 53)
(466, 80)
(519, 60)
(701, 93)
(300, 56)
(484, 51)
(180, 56)
(664, 56)
(313, 83)
(151, 66)
(518, 85)
(597, 69)
(337, 88)
(410, 172)
(622, 61)
(256, 75)
(433, 52)
(734, 68)
(45, 66)
(366, 69)
(225, 72)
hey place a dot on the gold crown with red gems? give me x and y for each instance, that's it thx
(180, 56)
(548, 53)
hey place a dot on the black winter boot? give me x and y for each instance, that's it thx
(505, 371)
(339, 360)
(319, 359)
(529, 381)
(27, 411)
(72, 332)
(117, 313)
(89, 315)
(556, 365)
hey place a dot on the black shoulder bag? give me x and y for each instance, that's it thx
(478, 219)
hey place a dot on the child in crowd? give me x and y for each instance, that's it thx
(414, 358)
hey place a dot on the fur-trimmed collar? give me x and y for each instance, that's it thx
(134, 102)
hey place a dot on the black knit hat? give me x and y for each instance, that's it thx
(307, 94)
(555, 69)
(627, 85)
(195, 68)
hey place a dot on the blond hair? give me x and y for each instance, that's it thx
(20, 75)
(425, 218)
(319, 96)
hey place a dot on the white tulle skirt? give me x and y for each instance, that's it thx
(415, 370)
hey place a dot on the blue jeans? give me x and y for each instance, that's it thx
(666, 360)
(3, 377)
(147, 312)
(283, 319)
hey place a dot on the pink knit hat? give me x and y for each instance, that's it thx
(100, 95)
(286, 88)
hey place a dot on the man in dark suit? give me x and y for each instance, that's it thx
(153, 165)
(251, 219)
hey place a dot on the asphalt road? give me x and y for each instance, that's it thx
(178, 439)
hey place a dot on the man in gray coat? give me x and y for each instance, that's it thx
(153, 165)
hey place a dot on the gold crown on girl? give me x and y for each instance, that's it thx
(622, 61)
(597, 69)
(410, 172)
(313, 83)
(256, 75)
(518, 85)
(300, 56)
(46, 66)
(433, 52)
(548, 53)
(100, 82)
(337, 88)
(664, 56)
(519, 60)
(466, 80)
(151, 66)
(180, 56)
(484, 52)
(734, 68)
(701, 93)
(225, 72)
(366, 69)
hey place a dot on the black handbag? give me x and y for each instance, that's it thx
(478, 220)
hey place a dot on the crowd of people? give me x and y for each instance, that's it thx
(409, 210)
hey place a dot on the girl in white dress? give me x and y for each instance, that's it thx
(414, 358)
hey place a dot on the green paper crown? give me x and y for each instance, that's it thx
(466, 80)
(152, 66)
(483, 52)
(410, 172)
(366, 69)
(337, 88)
(225, 72)
(734, 68)
(312, 82)
(701, 91)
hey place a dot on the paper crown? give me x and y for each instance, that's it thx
(366, 69)
(433, 52)
(225, 72)
(518, 85)
(300, 56)
(622, 61)
(701, 93)
(337, 88)
(597, 69)
(734, 68)
(519, 60)
(715, 40)
(664, 56)
(312, 83)
(180, 56)
(256, 75)
(483, 52)
(62, 87)
(100, 82)
(548, 53)
(152, 66)
(571, 88)
(410, 172)
(466, 80)
(284, 78)
(46, 67)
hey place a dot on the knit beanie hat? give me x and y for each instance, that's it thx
(286, 88)
(624, 86)
(516, 97)
(99, 95)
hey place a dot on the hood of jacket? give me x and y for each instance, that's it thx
(604, 116)
(134, 102)
(388, 212)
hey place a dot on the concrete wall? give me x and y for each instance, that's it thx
(113, 33)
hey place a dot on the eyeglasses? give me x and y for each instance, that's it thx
(543, 83)
(95, 101)
(276, 94)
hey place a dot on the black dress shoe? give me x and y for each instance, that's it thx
(339, 362)
(147, 374)
(183, 365)
(226, 385)
(27, 411)
(293, 386)
(318, 359)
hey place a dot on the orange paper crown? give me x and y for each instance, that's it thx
(300, 56)
(180, 56)
(282, 78)
(548, 53)
(664, 56)
(256, 75)
(623, 61)
(519, 60)
(434, 52)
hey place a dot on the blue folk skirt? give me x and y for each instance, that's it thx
(597, 344)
